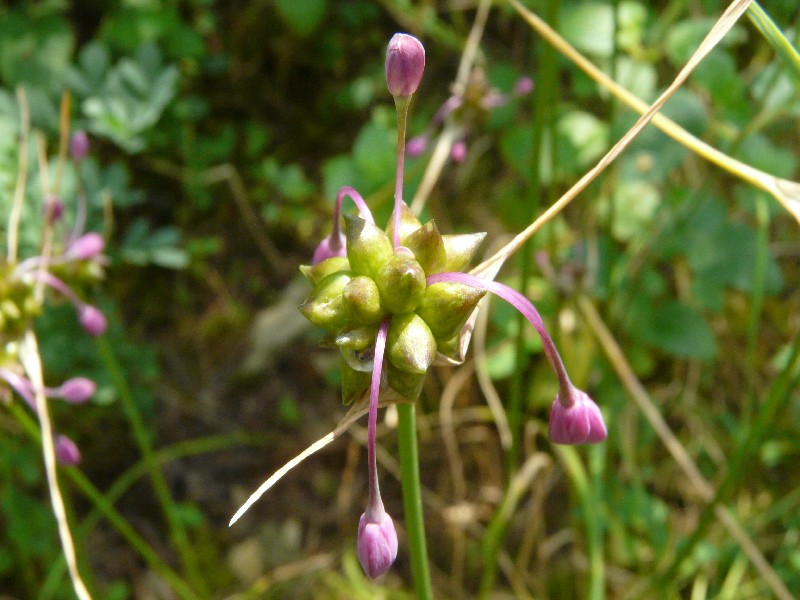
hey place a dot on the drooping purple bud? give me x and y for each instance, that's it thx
(580, 423)
(523, 86)
(67, 452)
(377, 544)
(330, 247)
(92, 319)
(417, 145)
(77, 390)
(79, 145)
(53, 208)
(405, 62)
(86, 247)
(459, 151)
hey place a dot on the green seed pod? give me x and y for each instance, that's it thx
(368, 248)
(428, 248)
(354, 383)
(446, 306)
(325, 307)
(362, 299)
(408, 385)
(410, 345)
(409, 223)
(401, 283)
(320, 271)
(460, 249)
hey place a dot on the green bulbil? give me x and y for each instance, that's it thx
(363, 301)
(357, 339)
(368, 248)
(408, 385)
(401, 283)
(354, 383)
(320, 271)
(409, 223)
(410, 345)
(428, 248)
(460, 249)
(325, 307)
(446, 306)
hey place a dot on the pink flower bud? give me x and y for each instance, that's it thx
(405, 62)
(92, 319)
(77, 390)
(79, 145)
(581, 423)
(377, 544)
(523, 86)
(459, 151)
(417, 145)
(67, 452)
(87, 246)
(330, 247)
(53, 208)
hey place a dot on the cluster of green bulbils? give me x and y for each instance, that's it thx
(353, 294)
(18, 306)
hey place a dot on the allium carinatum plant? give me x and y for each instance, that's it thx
(396, 302)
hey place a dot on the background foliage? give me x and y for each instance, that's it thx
(220, 133)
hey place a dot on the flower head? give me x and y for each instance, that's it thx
(79, 145)
(77, 390)
(92, 319)
(405, 62)
(67, 452)
(580, 422)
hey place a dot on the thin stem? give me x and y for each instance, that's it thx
(401, 104)
(178, 534)
(375, 510)
(22, 177)
(412, 500)
(31, 360)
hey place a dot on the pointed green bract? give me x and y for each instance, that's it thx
(446, 306)
(428, 248)
(354, 383)
(408, 385)
(461, 249)
(368, 248)
(401, 283)
(410, 345)
(325, 307)
(363, 301)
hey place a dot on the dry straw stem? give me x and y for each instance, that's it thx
(703, 488)
(786, 192)
(29, 354)
(718, 31)
(445, 141)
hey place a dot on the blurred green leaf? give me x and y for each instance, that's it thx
(677, 329)
(302, 16)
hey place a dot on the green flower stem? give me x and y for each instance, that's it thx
(109, 512)
(401, 105)
(180, 539)
(412, 501)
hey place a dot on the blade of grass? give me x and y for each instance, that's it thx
(703, 488)
(783, 48)
(786, 192)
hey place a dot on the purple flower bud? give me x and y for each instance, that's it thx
(523, 86)
(580, 423)
(330, 247)
(53, 208)
(377, 544)
(405, 62)
(86, 247)
(92, 319)
(77, 390)
(67, 452)
(417, 145)
(79, 145)
(459, 151)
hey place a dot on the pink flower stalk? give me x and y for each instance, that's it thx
(377, 538)
(79, 145)
(334, 244)
(405, 62)
(67, 452)
(577, 418)
(19, 384)
(579, 423)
